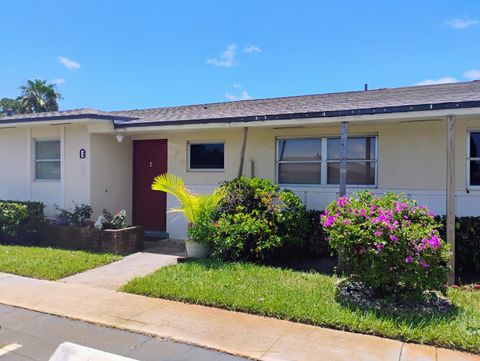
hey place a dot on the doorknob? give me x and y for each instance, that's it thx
(151, 165)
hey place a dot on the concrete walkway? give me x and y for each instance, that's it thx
(116, 274)
(232, 332)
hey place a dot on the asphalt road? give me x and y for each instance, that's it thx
(28, 335)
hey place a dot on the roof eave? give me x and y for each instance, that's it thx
(46, 119)
(305, 115)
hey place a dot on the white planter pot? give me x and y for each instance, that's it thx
(196, 250)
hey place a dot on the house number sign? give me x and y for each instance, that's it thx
(83, 153)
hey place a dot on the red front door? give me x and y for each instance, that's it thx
(149, 207)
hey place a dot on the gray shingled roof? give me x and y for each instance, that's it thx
(466, 94)
(330, 102)
(82, 112)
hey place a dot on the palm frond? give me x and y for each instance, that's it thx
(190, 204)
(171, 184)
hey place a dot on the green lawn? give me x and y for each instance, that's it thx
(49, 263)
(308, 298)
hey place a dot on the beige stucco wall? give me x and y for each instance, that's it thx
(411, 159)
(111, 181)
(410, 155)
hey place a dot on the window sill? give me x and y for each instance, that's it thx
(206, 170)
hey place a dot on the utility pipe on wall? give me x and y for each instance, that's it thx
(242, 153)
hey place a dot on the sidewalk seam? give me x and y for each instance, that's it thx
(401, 352)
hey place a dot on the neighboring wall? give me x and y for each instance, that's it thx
(411, 159)
(14, 177)
(17, 154)
(111, 182)
(76, 170)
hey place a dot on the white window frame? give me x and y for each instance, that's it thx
(469, 186)
(324, 161)
(35, 160)
(212, 170)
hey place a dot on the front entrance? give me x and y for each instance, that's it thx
(149, 207)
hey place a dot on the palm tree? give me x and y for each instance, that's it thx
(38, 96)
(191, 205)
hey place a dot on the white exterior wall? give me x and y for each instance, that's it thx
(111, 181)
(77, 172)
(14, 174)
(17, 181)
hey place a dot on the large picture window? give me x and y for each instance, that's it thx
(206, 156)
(47, 159)
(317, 161)
(473, 159)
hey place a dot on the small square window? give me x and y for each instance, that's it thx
(47, 160)
(206, 156)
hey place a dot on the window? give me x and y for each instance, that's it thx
(317, 161)
(360, 161)
(47, 159)
(473, 159)
(299, 161)
(206, 156)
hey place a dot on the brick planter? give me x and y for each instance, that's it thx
(118, 241)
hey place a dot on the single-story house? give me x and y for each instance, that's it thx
(396, 139)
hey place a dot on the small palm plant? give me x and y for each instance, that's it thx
(191, 204)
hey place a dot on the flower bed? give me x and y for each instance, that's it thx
(117, 241)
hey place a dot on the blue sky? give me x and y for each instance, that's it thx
(138, 54)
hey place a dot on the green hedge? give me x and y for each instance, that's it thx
(20, 221)
(467, 242)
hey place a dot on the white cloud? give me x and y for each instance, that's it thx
(473, 74)
(243, 96)
(460, 23)
(443, 80)
(250, 48)
(58, 81)
(226, 59)
(68, 63)
(237, 85)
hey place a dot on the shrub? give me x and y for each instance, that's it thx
(20, 221)
(12, 215)
(254, 220)
(78, 216)
(389, 243)
(467, 242)
(315, 238)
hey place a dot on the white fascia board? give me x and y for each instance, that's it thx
(40, 123)
(370, 118)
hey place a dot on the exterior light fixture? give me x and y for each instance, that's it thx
(120, 135)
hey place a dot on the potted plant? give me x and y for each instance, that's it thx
(191, 206)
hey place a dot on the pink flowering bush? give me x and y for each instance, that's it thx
(389, 243)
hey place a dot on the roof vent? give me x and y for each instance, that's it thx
(365, 86)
